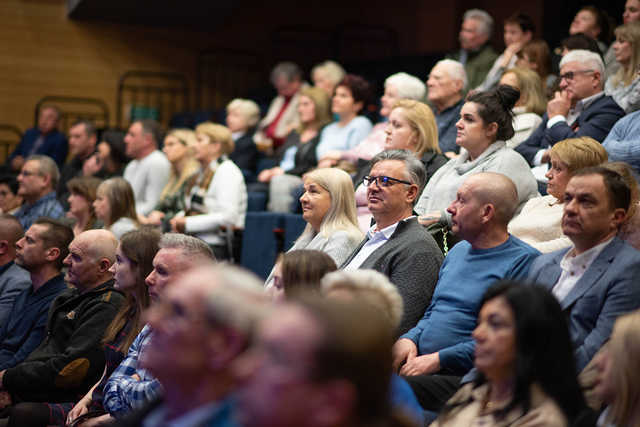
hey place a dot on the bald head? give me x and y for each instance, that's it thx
(100, 244)
(10, 232)
(498, 190)
(91, 254)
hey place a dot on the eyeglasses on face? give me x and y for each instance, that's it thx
(383, 181)
(570, 75)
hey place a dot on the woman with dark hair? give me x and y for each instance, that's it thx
(300, 271)
(527, 373)
(486, 122)
(134, 257)
(115, 206)
(82, 193)
(110, 157)
(349, 100)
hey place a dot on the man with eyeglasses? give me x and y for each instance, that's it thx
(38, 179)
(396, 245)
(580, 108)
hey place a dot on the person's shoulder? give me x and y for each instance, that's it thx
(606, 104)
(523, 247)
(157, 158)
(361, 121)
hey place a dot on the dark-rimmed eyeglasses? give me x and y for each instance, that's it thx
(570, 75)
(383, 181)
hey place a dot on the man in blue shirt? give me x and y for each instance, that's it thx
(441, 342)
(38, 179)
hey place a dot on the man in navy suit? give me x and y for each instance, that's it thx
(580, 108)
(595, 279)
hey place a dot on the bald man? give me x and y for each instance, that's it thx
(71, 359)
(441, 342)
(13, 278)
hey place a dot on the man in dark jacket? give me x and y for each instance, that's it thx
(71, 358)
(40, 252)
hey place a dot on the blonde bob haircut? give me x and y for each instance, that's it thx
(186, 137)
(624, 351)
(578, 153)
(341, 215)
(531, 91)
(247, 108)
(217, 133)
(631, 33)
(331, 70)
(322, 103)
(423, 123)
(370, 286)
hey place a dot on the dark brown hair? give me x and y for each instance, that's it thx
(58, 235)
(303, 269)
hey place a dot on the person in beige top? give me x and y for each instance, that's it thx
(539, 221)
(519, 380)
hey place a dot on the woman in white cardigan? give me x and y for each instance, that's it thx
(216, 196)
(329, 207)
(540, 221)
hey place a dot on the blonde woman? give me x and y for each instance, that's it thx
(115, 206)
(216, 196)
(539, 222)
(618, 367)
(329, 209)
(327, 75)
(529, 107)
(179, 147)
(624, 85)
(243, 116)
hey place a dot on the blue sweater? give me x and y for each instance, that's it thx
(622, 142)
(452, 314)
(26, 326)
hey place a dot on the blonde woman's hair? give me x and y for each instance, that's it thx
(121, 200)
(249, 110)
(341, 215)
(322, 102)
(369, 286)
(628, 32)
(186, 137)
(423, 123)
(626, 172)
(530, 87)
(624, 351)
(217, 133)
(578, 153)
(332, 71)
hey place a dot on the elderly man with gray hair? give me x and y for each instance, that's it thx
(579, 108)
(476, 54)
(446, 83)
(396, 244)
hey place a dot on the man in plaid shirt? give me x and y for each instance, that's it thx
(130, 386)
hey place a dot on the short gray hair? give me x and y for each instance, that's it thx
(586, 58)
(189, 245)
(332, 70)
(409, 87)
(46, 166)
(416, 171)
(368, 282)
(288, 70)
(249, 110)
(455, 70)
(483, 17)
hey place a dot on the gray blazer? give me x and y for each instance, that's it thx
(607, 289)
(13, 280)
(411, 259)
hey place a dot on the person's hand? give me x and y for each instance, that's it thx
(451, 154)
(17, 162)
(80, 408)
(5, 399)
(178, 224)
(265, 175)
(421, 365)
(102, 420)
(332, 155)
(546, 156)
(511, 50)
(327, 163)
(429, 218)
(559, 105)
(155, 218)
(92, 165)
(136, 377)
(403, 351)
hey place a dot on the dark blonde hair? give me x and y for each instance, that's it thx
(121, 200)
(303, 269)
(139, 246)
(217, 133)
(322, 102)
(530, 87)
(578, 153)
(423, 123)
(87, 187)
(628, 32)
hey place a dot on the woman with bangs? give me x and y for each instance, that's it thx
(115, 206)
